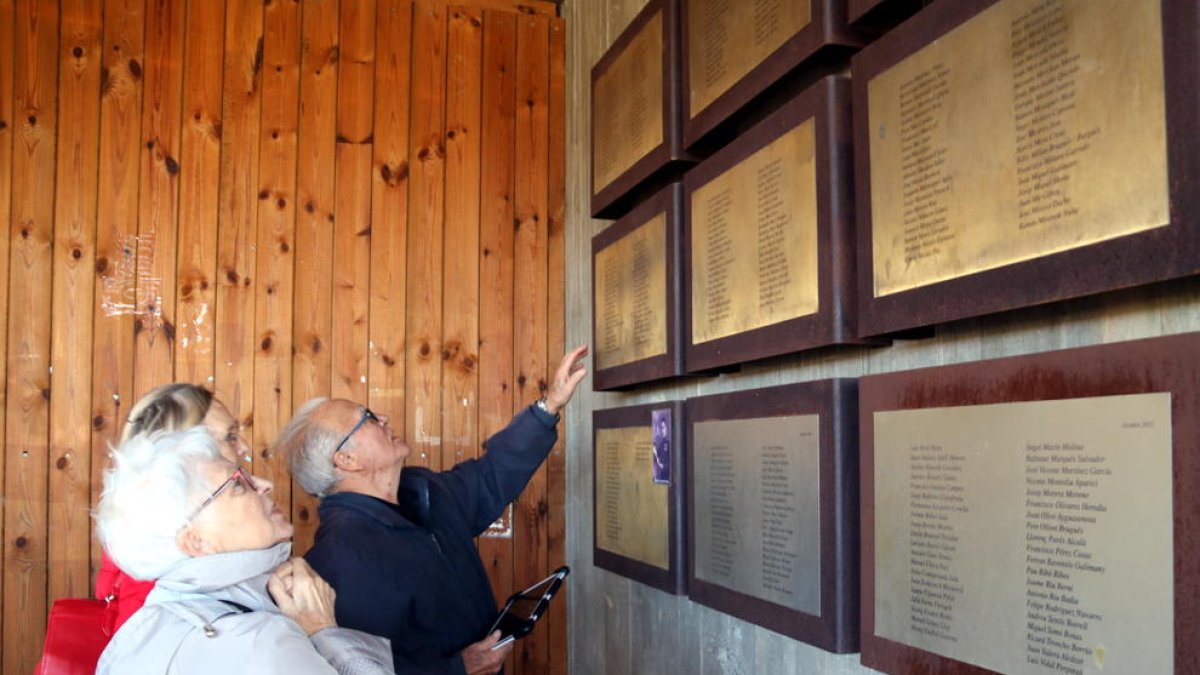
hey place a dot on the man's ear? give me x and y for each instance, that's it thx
(345, 461)
(192, 542)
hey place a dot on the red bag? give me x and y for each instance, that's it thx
(77, 632)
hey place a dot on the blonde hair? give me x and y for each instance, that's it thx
(170, 407)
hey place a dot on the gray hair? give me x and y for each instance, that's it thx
(154, 481)
(309, 449)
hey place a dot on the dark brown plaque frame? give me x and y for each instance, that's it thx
(881, 14)
(836, 401)
(834, 323)
(1168, 252)
(674, 579)
(827, 29)
(1169, 364)
(670, 364)
(669, 158)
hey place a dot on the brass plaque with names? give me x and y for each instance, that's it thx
(754, 240)
(1035, 127)
(632, 518)
(757, 508)
(1029, 537)
(631, 287)
(628, 106)
(728, 38)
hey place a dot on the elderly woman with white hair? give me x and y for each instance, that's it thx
(173, 509)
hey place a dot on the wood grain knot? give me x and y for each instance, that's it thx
(98, 422)
(62, 463)
(21, 542)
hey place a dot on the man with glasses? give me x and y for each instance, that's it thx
(398, 544)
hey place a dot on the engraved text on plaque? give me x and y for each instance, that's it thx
(628, 106)
(1037, 126)
(754, 240)
(1031, 537)
(632, 518)
(631, 291)
(757, 508)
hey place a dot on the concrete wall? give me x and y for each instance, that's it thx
(618, 626)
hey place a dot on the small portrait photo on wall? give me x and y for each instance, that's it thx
(660, 422)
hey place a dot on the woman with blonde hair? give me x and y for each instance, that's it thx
(171, 407)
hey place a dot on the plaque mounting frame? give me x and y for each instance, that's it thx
(1159, 254)
(669, 364)
(834, 323)
(669, 158)
(1164, 364)
(836, 402)
(826, 28)
(673, 579)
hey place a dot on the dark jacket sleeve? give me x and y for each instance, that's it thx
(483, 487)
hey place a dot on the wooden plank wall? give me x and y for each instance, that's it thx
(621, 627)
(278, 200)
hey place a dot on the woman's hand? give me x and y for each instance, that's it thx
(568, 376)
(303, 596)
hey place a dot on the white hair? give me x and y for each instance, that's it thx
(148, 493)
(309, 448)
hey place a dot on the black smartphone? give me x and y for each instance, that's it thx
(523, 609)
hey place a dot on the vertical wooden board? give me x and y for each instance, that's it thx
(530, 280)
(276, 238)
(116, 230)
(158, 196)
(35, 87)
(356, 75)
(233, 341)
(7, 124)
(351, 271)
(460, 347)
(316, 143)
(71, 325)
(495, 258)
(389, 210)
(556, 465)
(352, 212)
(199, 181)
(423, 371)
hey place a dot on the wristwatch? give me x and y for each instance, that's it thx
(544, 407)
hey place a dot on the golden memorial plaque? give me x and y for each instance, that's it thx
(757, 508)
(754, 240)
(632, 518)
(1028, 537)
(631, 291)
(728, 38)
(627, 106)
(1035, 127)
